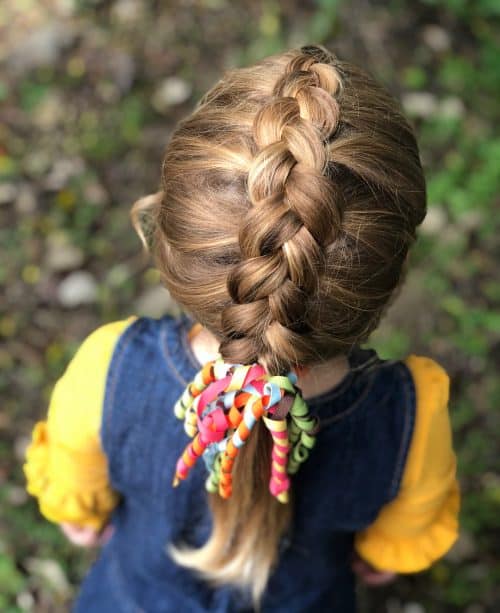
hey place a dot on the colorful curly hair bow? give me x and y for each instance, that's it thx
(221, 406)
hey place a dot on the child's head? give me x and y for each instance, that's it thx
(290, 198)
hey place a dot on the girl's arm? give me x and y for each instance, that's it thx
(66, 468)
(421, 524)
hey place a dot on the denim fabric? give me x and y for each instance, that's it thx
(354, 469)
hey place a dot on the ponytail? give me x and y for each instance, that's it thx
(220, 409)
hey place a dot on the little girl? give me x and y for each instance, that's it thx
(289, 200)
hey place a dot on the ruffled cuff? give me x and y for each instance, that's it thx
(410, 554)
(51, 473)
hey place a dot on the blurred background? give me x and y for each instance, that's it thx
(89, 92)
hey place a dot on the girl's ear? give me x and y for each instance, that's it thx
(141, 216)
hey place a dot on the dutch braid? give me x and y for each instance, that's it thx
(294, 215)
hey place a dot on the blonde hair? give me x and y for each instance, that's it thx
(290, 198)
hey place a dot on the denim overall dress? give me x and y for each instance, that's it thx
(354, 469)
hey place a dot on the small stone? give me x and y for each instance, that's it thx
(122, 67)
(170, 92)
(475, 608)
(95, 194)
(451, 108)
(65, 8)
(62, 171)
(76, 289)
(393, 605)
(117, 275)
(36, 163)
(8, 192)
(16, 495)
(436, 37)
(108, 92)
(127, 11)
(420, 104)
(26, 200)
(470, 220)
(478, 572)
(155, 302)
(451, 235)
(52, 572)
(413, 607)
(62, 255)
(42, 47)
(25, 601)
(464, 548)
(49, 113)
(20, 445)
(435, 221)
(490, 480)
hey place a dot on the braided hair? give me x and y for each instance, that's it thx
(294, 215)
(290, 197)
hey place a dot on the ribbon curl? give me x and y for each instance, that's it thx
(221, 406)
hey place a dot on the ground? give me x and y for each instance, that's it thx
(89, 92)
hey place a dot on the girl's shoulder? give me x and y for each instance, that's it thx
(376, 430)
(431, 382)
(118, 347)
(431, 443)
(105, 348)
(413, 384)
(160, 342)
(85, 378)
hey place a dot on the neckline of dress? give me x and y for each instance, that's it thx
(190, 365)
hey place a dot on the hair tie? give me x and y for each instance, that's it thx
(220, 408)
